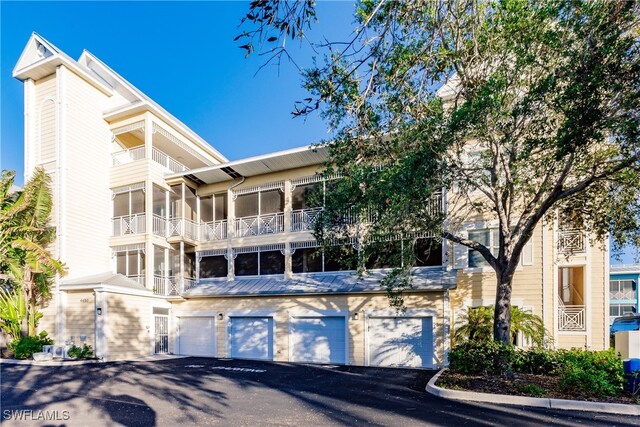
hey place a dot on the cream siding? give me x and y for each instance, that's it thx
(81, 317)
(46, 120)
(87, 196)
(129, 326)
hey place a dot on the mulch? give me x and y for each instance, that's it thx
(520, 385)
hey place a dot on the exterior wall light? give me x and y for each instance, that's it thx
(356, 316)
(99, 311)
(220, 316)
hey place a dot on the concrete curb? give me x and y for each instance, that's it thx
(503, 399)
(48, 363)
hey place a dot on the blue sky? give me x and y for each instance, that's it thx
(182, 55)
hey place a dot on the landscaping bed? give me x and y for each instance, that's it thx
(486, 366)
(529, 385)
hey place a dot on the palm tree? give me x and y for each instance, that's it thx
(26, 236)
(478, 325)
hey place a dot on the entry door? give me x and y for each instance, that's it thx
(162, 334)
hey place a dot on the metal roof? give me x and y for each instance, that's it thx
(424, 280)
(106, 278)
(624, 268)
(258, 165)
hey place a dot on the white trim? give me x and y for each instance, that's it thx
(112, 289)
(311, 313)
(250, 313)
(446, 303)
(202, 313)
(101, 323)
(607, 287)
(586, 286)
(409, 313)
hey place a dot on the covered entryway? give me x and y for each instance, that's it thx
(251, 337)
(400, 341)
(318, 339)
(197, 336)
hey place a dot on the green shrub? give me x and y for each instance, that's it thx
(24, 347)
(482, 357)
(84, 352)
(537, 361)
(587, 373)
(531, 390)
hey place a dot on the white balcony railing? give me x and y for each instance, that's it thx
(622, 295)
(304, 219)
(214, 230)
(138, 153)
(259, 224)
(159, 226)
(127, 156)
(571, 317)
(187, 283)
(182, 227)
(165, 285)
(571, 241)
(167, 161)
(129, 224)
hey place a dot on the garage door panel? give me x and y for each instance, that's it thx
(401, 341)
(251, 338)
(197, 336)
(318, 339)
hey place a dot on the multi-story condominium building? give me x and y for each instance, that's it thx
(170, 247)
(624, 297)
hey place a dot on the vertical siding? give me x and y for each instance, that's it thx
(87, 198)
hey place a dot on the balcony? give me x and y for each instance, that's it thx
(259, 225)
(128, 224)
(571, 318)
(171, 285)
(304, 219)
(622, 295)
(140, 278)
(214, 230)
(137, 153)
(571, 241)
(182, 227)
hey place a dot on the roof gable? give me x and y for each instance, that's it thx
(36, 50)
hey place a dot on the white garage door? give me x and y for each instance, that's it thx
(197, 336)
(251, 337)
(401, 341)
(318, 339)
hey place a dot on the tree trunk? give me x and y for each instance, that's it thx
(502, 314)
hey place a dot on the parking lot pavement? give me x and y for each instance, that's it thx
(203, 391)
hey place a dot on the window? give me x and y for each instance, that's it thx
(260, 203)
(130, 261)
(622, 289)
(487, 237)
(259, 263)
(175, 197)
(159, 201)
(617, 310)
(213, 266)
(428, 252)
(306, 260)
(340, 258)
(129, 202)
(213, 208)
(306, 196)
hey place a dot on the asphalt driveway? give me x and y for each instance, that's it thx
(201, 391)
